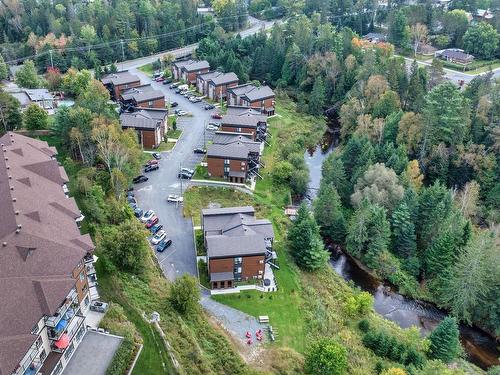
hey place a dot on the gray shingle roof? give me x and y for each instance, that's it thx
(253, 93)
(143, 118)
(233, 147)
(247, 120)
(234, 231)
(120, 78)
(37, 95)
(224, 78)
(36, 263)
(221, 276)
(142, 93)
(191, 65)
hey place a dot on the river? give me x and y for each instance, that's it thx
(480, 347)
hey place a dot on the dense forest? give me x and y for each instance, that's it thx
(85, 34)
(412, 191)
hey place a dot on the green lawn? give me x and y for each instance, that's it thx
(147, 69)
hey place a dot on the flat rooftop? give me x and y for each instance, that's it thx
(93, 355)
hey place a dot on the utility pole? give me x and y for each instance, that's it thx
(123, 52)
(51, 61)
(180, 174)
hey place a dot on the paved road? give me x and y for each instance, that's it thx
(255, 26)
(453, 75)
(180, 258)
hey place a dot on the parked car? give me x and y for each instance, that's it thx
(167, 81)
(131, 199)
(138, 212)
(158, 237)
(184, 176)
(177, 91)
(133, 206)
(154, 220)
(212, 127)
(99, 306)
(139, 179)
(174, 85)
(181, 113)
(163, 245)
(217, 116)
(173, 198)
(155, 228)
(159, 79)
(152, 167)
(152, 162)
(195, 99)
(200, 151)
(216, 124)
(187, 170)
(209, 106)
(174, 104)
(147, 215)
(156, 155)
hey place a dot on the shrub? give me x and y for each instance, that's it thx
(185, 294)
(364, 325)
(326, 357)
(122, 358)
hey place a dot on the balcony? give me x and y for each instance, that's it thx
(31, 362)
(52, 321)
(56, 332)
(66, 338)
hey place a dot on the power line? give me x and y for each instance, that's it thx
(121, 41)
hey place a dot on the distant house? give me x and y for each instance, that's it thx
(455, 55)
(261, 98)
(149, 123)
(216, 84)
(189, 69)
(375, 37)
(483, 15)
(117, 82)
(426, 49)
(41, 97)
(238, 245)
(142, 96)
(233, 156)
(253, 125)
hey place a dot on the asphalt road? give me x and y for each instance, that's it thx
(180, 257)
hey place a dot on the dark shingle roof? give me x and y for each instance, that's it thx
(223, 79)
(253, 93)
(41, 243)
(142, 93)
(221, 276)
(143, 118)
(232, 146)
(120, 78)
(246, 120)
(191, 65)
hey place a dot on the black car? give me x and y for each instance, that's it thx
(177, 91)
(131, 199)
(167, 81)
(174, 104)
(185, 176)
(156, 155)
(138, 212)
(163, 245)
(139, 179)
(133, 206)
(152, 167)
(156, 228)
(200, 151)
(209, 106)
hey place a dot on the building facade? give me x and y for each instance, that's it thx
(117, 82)
(215, 85)
(189, 69)
(149, 123)
(144, 96)
(245, 123)
(260, 98)
(44, 290)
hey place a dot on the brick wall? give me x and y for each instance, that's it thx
(119, 88)
(80, 275)
(251, 266)
(229, 128)
(157, 103)
(221, 265)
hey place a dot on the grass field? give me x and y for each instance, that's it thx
(147, 69)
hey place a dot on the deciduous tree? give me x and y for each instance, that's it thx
(4, 69)
(418, 34)
(326, 357)
(10, 115)
(26, 75)
(481, 40)
(35, 117)
(185, 294)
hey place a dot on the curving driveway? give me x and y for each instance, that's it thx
(179, 258)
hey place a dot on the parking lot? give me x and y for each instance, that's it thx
(180, 257)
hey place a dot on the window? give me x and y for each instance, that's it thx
(226, 161)
(238, 260)
(58, 369)
(243, 163)
(38, 342)
(150, 103)
(82, 276)
(226, 169)
(43, 355)
(238, 130)
(87, 301)
(261, 261)
(260, 272)
(69, 351)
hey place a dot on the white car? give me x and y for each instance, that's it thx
(194, 99)
(211, 127)
(147, 215)
(187, 170)
(158, 237)
(181, 113)
(173, 198)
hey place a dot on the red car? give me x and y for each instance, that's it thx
(152, 221)
(152, 162)
(159, 79)
(217, 116)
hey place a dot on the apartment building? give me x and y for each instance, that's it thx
(145, 96)
(117, 82)
(149, 123)
(238, 245)
(245, 122)
(261, 98)
(44, 291)
(189, 69)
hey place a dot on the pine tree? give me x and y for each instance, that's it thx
(329, 214)
(403, 232)
(445, 344)
(305, 241)
(333, 172)
(357, 156)
(317, 98)
(417, 89)
(4, 70)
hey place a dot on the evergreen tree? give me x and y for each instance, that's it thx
(368, 233)
(305, 241)
(4, 69)
(398, 29)
(403, 232)
(357, 156)
(333, 173)
(329, 214)
(292, 64)
(417, 89)
(445, 343)
(10, 114)
(317, 98)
